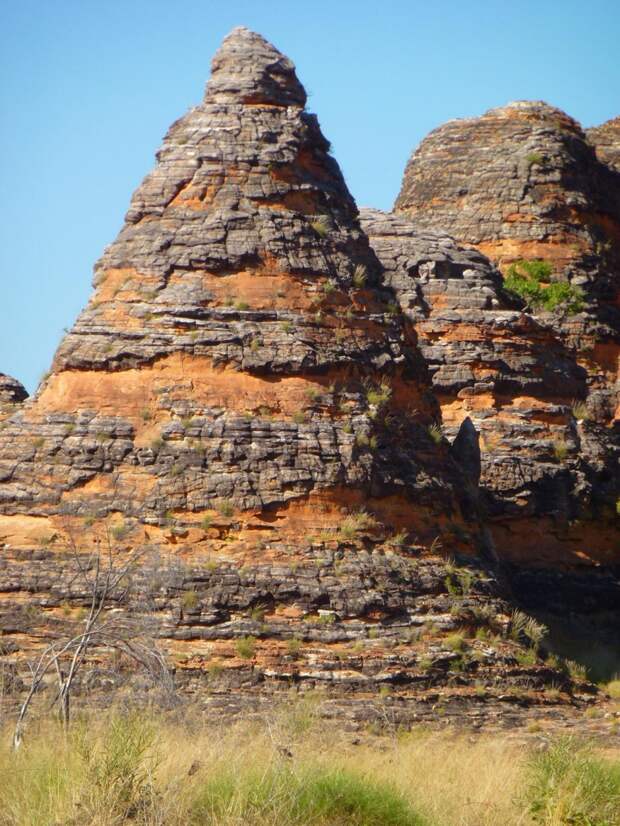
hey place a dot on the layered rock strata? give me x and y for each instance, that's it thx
(606, 142)
(243, 405)
(244, 410)
(524, 182)
(11, 391)
(548, 461)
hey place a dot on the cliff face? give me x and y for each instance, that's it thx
(252, 401)
(522, 182)
(547, 466)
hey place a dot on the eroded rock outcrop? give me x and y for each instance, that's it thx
(244, 405)
(606, 142)
(242, 402)
(524, 183)
(548, 466)
(11, 391)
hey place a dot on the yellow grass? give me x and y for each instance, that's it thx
(292, 770)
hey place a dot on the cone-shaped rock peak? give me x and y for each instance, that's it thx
(248, 69)
(239, 342)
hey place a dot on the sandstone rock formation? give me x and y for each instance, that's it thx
(606, 142)
(244, 404)
(548, 469)
(523, 182)
(11, 391)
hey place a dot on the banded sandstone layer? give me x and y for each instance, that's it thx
(243, 403)
(522, 182)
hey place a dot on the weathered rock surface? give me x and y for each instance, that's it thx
(523, 182)
(11, 391)
(244, 405)
(606, 142)
(548, 465)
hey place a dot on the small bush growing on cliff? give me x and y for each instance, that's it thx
(530, 281)
(355, 523)
(189, 600)
(534, 158)
(435, 432)
(321, 225)
(522, 625)
(226, 507)
(580, 410)
(293, 646)
(455, 642)
(613, 688)
(246, 647)
(378, 396)
(359, 276)
(560, 450)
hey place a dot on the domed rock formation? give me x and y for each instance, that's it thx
(244, 406)
(11, 391)
(523, 184)
(236, 350)
(606, 142)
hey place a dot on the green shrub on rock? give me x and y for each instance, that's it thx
(531, 281)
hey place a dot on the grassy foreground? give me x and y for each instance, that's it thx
(296, 771)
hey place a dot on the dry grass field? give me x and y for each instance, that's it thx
(297, 770)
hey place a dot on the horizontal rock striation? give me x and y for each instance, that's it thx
(522, 182)
(250, 410)
(548, 467)
(11, 391)
(606, 142)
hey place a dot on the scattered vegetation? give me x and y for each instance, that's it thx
(435, 432)
(293, 646)
(378, 396)
(134, 769)
(226, 508)
(120, 531)
(246, 647)
(355, 523)
(580, 410)
(399, 540)
(613, 688)
(321, 225)
(569, 784)
(534, 158)
(522, 626)
(531, 281)
(359, 276)
(189, 600)
(455, 642)
(560, 450)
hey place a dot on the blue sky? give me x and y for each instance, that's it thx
(89, 87)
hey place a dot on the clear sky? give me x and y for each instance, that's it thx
(89, 87)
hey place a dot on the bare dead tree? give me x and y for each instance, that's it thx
(106, 580)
